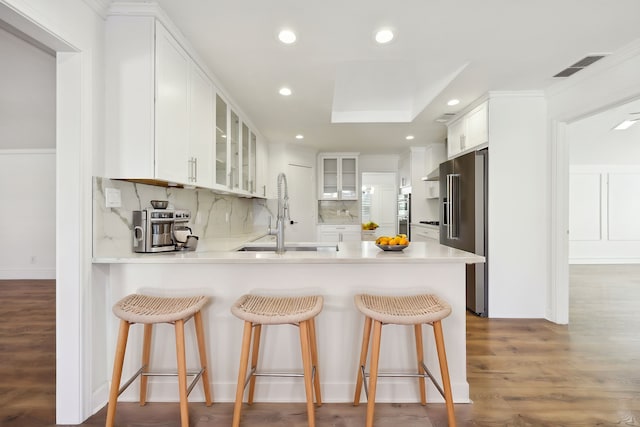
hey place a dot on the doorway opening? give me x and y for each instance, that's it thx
(379, 201)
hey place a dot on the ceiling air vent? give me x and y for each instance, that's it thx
(584, 62)
(445, 117)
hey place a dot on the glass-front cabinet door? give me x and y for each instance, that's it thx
(234, 149)
(330, 178)
(338, 176)
(349, 178)
(253, 163)
(221, 142)
(245, 158)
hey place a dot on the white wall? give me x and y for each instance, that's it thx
(27, 159)
(28, 95)
(378, 163)
(518, 205)
(603, 214)
(28, 194)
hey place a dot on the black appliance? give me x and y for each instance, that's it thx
(404, 214)
(463, 219)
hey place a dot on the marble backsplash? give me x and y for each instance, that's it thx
(338, 212)
(214, 217)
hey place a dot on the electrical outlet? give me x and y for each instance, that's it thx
(113, 198)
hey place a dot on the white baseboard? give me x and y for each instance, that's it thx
(27, 274)
(100, 398)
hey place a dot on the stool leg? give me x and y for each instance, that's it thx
(314, 360)
(242, 371)
(121, 347)
(255, 350)
(306, 362)
(444, 372)
(182, 373)
(146, 355)
(375, 357)
(202, 349)
(363, 359)
(420, 354)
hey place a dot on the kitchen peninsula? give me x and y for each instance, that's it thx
(354, 268)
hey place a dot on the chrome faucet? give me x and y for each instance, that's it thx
(283, 212)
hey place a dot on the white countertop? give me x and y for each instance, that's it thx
(348, 253)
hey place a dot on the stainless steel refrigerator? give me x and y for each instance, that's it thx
(463, 218)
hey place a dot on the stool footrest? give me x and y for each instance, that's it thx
(255, 373)
(140, 373)
(427, 374)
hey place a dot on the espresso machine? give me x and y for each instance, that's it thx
(158, 229)
(153, 230)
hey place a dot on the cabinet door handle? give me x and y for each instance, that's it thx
(195, 169)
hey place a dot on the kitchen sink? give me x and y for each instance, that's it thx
(315, 247)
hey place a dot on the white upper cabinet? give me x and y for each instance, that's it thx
(222, 149)
(159, 106)
(165, 123)
(234, 150)
(338, 178)
(172, 109)
(201, 129)
(477, 126)
(469, 131)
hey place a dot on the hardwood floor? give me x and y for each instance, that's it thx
(521, 372)
(27, 352)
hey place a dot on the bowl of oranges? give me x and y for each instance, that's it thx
(396, 243)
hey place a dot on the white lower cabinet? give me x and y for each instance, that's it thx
(339, 233)
(424, 234)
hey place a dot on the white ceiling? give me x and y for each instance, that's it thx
(443, 49)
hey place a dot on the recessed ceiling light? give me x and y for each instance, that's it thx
(625, 124)
(410, 137)
(298, 136)
(384, 36)
(287, 36)
(285, 91)
(453, 102)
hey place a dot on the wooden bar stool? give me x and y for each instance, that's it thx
(258, 310)
(150, 310)
(413, 310)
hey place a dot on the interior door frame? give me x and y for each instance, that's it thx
(74, 136)
(609, 83)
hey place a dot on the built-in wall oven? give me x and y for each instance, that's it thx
(404, 214)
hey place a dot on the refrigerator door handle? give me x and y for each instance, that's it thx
(453, 216)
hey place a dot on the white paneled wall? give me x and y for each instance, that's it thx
(604, 212)
(28, 214)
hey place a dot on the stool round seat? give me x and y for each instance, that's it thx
(403, 310)
(136, 308)
(276, 310)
